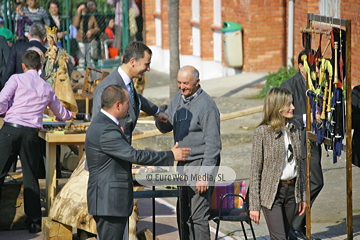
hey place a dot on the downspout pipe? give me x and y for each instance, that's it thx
(290, 40)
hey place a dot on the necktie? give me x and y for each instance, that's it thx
(132, 96)
(122, 129)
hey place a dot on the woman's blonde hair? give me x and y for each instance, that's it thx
(275, 101)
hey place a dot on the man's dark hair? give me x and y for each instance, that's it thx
(303, 52)
(135, 50)
(32, 60)
(37, 30)
(111, 95)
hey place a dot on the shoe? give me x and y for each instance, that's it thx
(34, 228)
(296, 235)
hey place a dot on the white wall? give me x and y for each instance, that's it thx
(160, 61)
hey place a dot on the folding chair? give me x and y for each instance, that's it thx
(236, 214)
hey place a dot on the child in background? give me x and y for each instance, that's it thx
(109, 31)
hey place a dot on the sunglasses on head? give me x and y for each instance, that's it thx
(290, 158)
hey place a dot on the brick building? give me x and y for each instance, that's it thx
(264, 24)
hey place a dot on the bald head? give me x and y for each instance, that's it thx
(188, 80)
(188, 71)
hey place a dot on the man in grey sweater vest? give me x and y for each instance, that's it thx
(195, 120)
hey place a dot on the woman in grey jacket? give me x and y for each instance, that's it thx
(277, 179)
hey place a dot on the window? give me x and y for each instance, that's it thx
(195, 5)
(330, 8)
(217, 12)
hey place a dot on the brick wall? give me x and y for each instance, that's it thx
(264, 25)
(149, 22)
(351, 10)
(206, 20)
(165, 24)
(185, 34)
(264, 36)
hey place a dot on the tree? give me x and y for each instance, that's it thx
(174, 45)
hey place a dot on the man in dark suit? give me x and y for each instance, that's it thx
(37, 38)
(4, 55)
(136, 61)
(109, 159)
(297, 85)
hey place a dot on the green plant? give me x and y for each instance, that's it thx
(275, 79)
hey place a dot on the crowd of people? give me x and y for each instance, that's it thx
(87, 24)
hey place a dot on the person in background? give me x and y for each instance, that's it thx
(24, 99)
(277, 176)
(6, 40)
(37, 38)
(109, 31)
(34, 13)
(8, 35)
(92, 8)
(297, 86)
(117, 4)
(87, 28)
(55, 19)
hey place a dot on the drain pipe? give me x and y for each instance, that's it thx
(290, 40)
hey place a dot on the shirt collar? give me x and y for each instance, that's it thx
(197, 93)
(124, 76)
(34, 39)
(110, 116)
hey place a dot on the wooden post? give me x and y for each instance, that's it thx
(308, 158)
(349, 198)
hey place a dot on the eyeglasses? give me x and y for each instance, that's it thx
(290, 149)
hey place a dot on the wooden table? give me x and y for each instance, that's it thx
(51, 141)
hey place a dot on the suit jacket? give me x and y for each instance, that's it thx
(266, 165)
(129, 122)
(4, 55)
(297, 86)
(355, 119)
(14, 61)
(110, 156)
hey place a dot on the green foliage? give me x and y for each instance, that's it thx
(275, 79)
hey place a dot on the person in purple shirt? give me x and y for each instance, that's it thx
(24, 99)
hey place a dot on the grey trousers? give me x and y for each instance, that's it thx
(195, 208)
(280, 216)
(112, 227)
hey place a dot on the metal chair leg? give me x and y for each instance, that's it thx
(252, 230)
(217, 229)
(243, 228)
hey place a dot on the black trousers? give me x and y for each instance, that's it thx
(110, 227)
(280, 216)
(316, 184)
(25, 143)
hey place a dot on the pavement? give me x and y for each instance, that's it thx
(234, 93)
